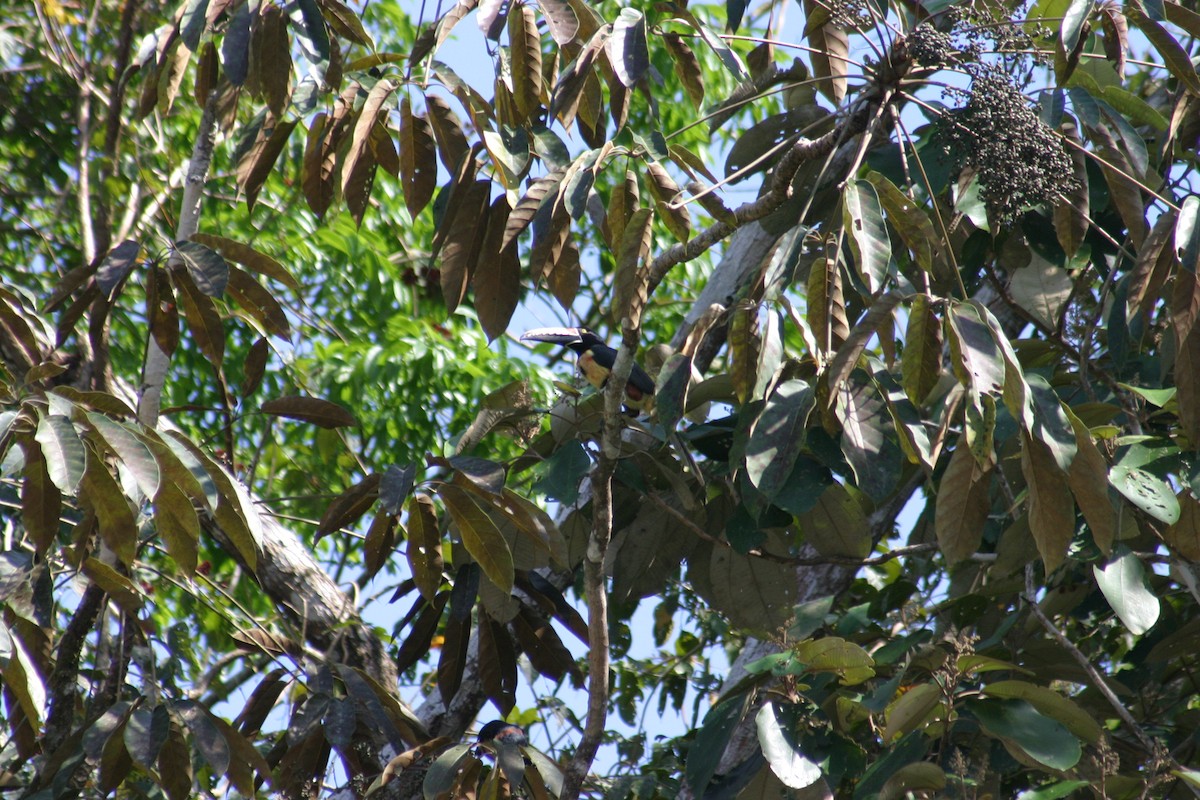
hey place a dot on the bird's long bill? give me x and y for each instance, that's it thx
(552, 335)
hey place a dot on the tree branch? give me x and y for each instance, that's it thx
(154, 371)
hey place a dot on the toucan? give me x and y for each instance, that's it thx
(500, 731)
(596, 360)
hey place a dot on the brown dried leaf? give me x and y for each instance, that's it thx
(424, 551)
(497, 281)
(202, 318)
(315, 410)
(258, 302)
(1051, 507)
(418, 159)
(255, 167)
(1155, 263)
(347, 507)
(632, 274)
(962, 508)
(1088, 479)
(464, 237)
(525, 59)
(1071, 211)
(447, 130)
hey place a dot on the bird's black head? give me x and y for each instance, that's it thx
(504, 732)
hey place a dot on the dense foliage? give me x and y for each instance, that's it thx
(922, 461)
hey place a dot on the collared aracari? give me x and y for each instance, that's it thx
(500, 731)
(595, 360)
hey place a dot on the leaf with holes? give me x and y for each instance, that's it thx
(862, 217)
(1148, 492)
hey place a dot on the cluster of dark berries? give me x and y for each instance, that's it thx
(931, 47)
(850, 15)
(1020, 161)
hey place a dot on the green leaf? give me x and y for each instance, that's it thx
(912, 710)
(1146, 491)
(627, 50)
(1052, 704)
(868, 441)
(63, 450)
(862, 216)
(133, 452)
(21, 677)
(671, 388)
(778, 436)
(837, 524)
(480, 535)
(1051, 424)
(780, 748)
(851, 663)
(910, 221)
(208, 269)
(921, 358)
(711, 739)
(443, 772)
(1045, 740)
(563, 472)
(1176, 57)
(1123, 582)
(976, 356)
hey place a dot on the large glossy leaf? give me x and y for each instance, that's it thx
(868, 441)
(912, 710)
(1042, 289)
(1045, 740)
(779, 746)
(560, 19)
(63, 451)
(711, 740)
(1088, 479)
(1176, 57)
(480, 535)
(976, 357)
(1051, 704)
(315, 410)
(755, 593)
(248, 257)
(629, 288)
(778, 436)
(862, 217)
(687, 67)
(627, 50)
(908, 220)
(830, 52)
(1148, 492)
(418, 169)
(1123, 582)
